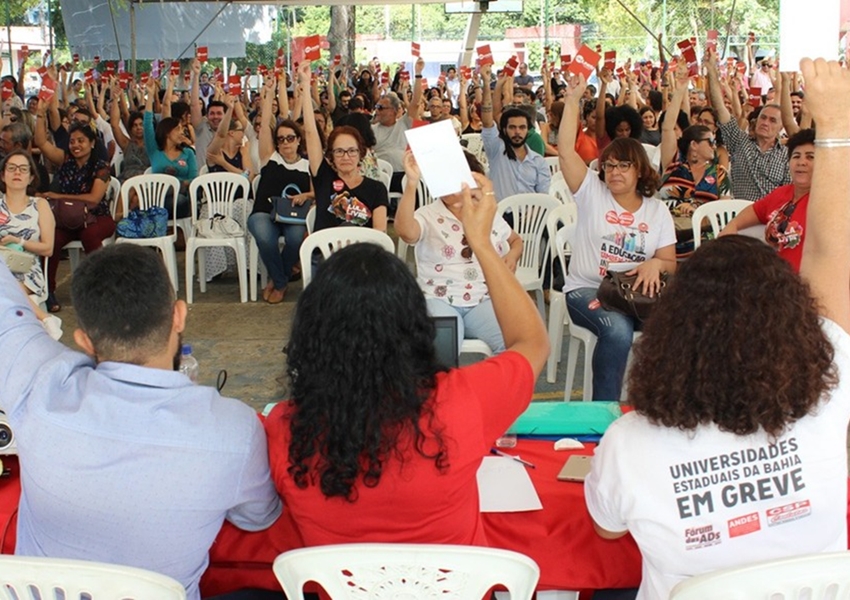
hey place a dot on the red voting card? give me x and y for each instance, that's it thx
(24, 51)
(143, 78)
(89, 76)
(566, 59)
(202, 54)
(510, 66)
(41, 70)
(96, 60)
(312, 49)
(175, 67)
(405, 75)
(741, 68)
(385, 78)
(337, 59)
(610, 60)
(48, 88)
(7, 90)
(689, 55)
(248, 71)
(485, 56)
(415, 49)
(755, 97)
(671, 66)
(234, 85)
(621, 73)
(711, 40)
(110, 69)
(263, 70)
(187, 75)
(124, 80)
(585, 62)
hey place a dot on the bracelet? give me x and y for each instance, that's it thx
(417, 76)
(833, 143)
(489, 193)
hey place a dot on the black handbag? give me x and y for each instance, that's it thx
(284, 211)
(72, 214)
(617, 292)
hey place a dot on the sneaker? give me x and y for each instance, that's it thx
(53, 326)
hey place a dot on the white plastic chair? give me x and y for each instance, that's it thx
(718, 213)
(151, 190)
(423, 197)
(594, 165)
(329, 240)
(653, 153)
(74, 247)
(386, 171)
(220, 191)
(410, 571)
(22, 577)
(530, 212)
(814, 577)
(560, 190)
(475, 145)
(554, 164)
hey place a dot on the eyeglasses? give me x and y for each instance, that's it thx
(622, 166)
(382, 107)
(711, 141)
(351, 152)
(786, 213)
(705, 123)
(466, 251)
(11, 168)
(287, 139)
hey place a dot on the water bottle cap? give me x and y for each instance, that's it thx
(187, 350)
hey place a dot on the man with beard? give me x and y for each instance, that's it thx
(205, 127)
(123, 459)
(514, 168)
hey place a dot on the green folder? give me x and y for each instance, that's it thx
(566, 418)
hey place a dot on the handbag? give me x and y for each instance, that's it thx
(18, 261)
(72, 214)
(617, 292)
(139, 224)
(284, 211)
(218, 227)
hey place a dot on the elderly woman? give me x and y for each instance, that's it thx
(736, 450)
(620, 228)
(447, 270)
(783, 211)
(375, 424)
(81, 177)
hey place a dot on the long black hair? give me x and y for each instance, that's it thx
(362, 366)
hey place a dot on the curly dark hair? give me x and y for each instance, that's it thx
(633, 151)
(617, 114)
(698, 361)
(362, 364)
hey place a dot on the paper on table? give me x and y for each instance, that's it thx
(440, 158)
(504, 486)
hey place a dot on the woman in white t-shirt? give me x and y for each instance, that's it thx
(621, 228)
(447, 271)
(736, 450)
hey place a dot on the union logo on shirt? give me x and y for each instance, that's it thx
(625, 219)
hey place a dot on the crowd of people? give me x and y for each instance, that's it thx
(373, 418)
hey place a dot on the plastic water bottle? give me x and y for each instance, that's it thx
(189, 364)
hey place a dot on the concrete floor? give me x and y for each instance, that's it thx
(247, 339)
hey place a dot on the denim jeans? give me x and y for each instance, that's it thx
(474, 322)
(266, 233)
(615, 332)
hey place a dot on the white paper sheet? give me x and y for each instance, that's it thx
(439, 155)
(807, 29)
(504, 486)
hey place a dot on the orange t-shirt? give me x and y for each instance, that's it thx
(586, 147)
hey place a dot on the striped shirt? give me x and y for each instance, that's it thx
(754, 173)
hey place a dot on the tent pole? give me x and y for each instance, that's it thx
(133, 37)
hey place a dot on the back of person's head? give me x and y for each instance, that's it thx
(556, 110)
(631, 150)
(19, 134)
(745, 331)
(694, 133)
(656, 100)
(682, 119)
(179, 110)
(356, 103)
(362, 365)
(163, 129)
(617, 114)
(801, 138)
(474, 164)
(361, 123)
(588, 108)
(124, 303)
(33, 186)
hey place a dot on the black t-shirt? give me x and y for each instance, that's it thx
(278, 180)
(337, 204)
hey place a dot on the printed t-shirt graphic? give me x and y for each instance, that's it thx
(626, 244)
(347, 208)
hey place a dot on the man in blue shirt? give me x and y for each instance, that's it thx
(123, 459)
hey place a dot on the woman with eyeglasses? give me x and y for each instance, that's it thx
(284, 173)
(81, 176)
(620, 228)
(343, 195)
(783, 211)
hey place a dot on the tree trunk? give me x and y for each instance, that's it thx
(341, 34)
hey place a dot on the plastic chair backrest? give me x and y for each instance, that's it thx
(255, 185)
(329, 240)
(594, 165)
(423, 195)
(113, 194)
(311, 219)
(410, 571)
(561, 226)
(718, 213)
(474, 144)
(20, 576)
(554, 164)
(151, 190)
(653, 153)
(560, 190)
(220, 190)
(386, 171)
(814, 577)
(530, 212)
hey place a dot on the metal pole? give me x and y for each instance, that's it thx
(115, 30)
(133, 37)
(9, 33)
(50, 26)
(729, 29)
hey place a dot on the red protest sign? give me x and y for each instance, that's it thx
(41, 70)
(485, 56)
(263, 70)
(143, 78)
(755, 97)
(175, 67)
(24, 51)
(187, 75)
(48, 89)
(7, 90)
(566, 59)
(110, 69)
(124, 80)
(312, 49)
(234, 85)
(405, 75)
(337, 59)
(96, 60)
(415, 49)
(711, 40)
(510, 66)
(610, 60)
(385, 78)
(741, 68)
(585, 62)
(621, 73)
(202, 54)
(89, 76)
(689, 55)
